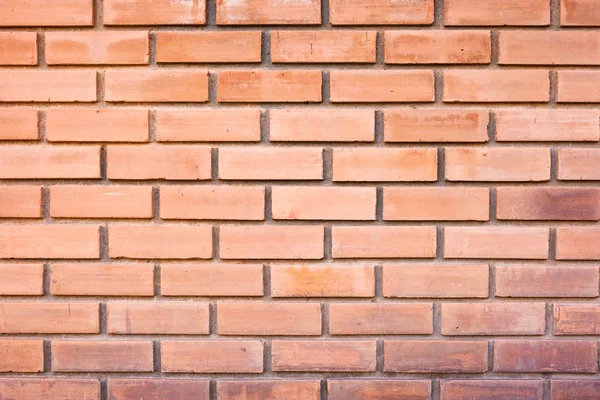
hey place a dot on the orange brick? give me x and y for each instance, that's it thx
(576, 319)
(496, 242)
(50, 389)
(383, 242)
(49, 241)
(108, 47)
(579, 13)
(246, 318)
(20, 356)
(436, 204)
(154, 12)
(34, 317)
(264, 163)
(269, 12)
(212, 202)
(18, 124)
(159, 162)
(577, 243)
(20, 201)
(158, 389)
(321, 125)
(497, 389)
(323, 355)
(84, 279)
(18, 48)
(580, 356)
(578, 164)
(160, 241)
(551, 281)
(574, 389)
(507, 164)
(441, 125)
(381, 389)
(322, 281)
(269, 389)
(29, 85)
(381, 12)
(156, 85)
(271, 242)
(497, 12)
(431, 356)
(385, 164)
(578, 87)
(381, 86)
(380, 319)
(211, 280)
(261, 86)
(102, 356)
(21, 279)
(208, 47)
(46, 12)
(152, 318)
(323, 203)
(212, 356)
(438, 47)
(316, 46)
(484, 86)
(436, 281)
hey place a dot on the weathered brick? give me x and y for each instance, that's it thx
(585, 389)
(576, 319)
(269, 389)
(158, 389)
(20, 356)
(496, 389)
(579, 13)
(269, 12)
(380, 389)
(50, 389)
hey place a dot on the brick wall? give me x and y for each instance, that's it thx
(299, 199)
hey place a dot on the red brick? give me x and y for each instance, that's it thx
(269, 12)
(542, 281)
(50, 389)
(588, 389)
(20, 356)
(577, 164)
(269, 389)
(152, 86)
(47, 86)
(154, 12)
(497, 12)
(21, 279)
(381, 12)
(46, 13)
(577, 243)
(34, 317)
(18, 48)
(20, 201)
(576, 319)
(158, 389)
(380, 319)
(18, 124)
(102, 356)
(579, 13)
(496, 389)
(152, 318)
(578, 87)
(381, 389)
(292, 86)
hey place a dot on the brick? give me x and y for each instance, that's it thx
(506, 164)
(177, 162)
(246, 318)
(436, 204)
(574, 389)
(49, 241)
(577, 164)
(46, 13)
(316, 46)
(113, 279)
(577, 243)
(101, 201)
(385, 164)
(502, 86)
(156, 86)
(576, 319)
(384, 242)
(580, 356)
(321, 125)
(547, 125)
(438, 47)
(435, 356)
(208, 47)
(271, 242)
(18, 48)
(551, 281)
(21, 279)
(28, 85)
(436, 281)
(97, 48)
(212, 356)
(154, 12)
(323, 203)
(380, 319)
(493, 319)
(211, 280)
(100, 125)
(212, 202)
(264, 163)
(381, 389)
(322, 281)
(158, 389)
(496, 242)
(497, 12)
(20, 356)
(33, 317)
(49, 162)
(160, 241)
(579, 13)
(381, 12)
(269, 390)
(435, 125)
(323, 355)
(152, 318)
(50, 389)
(269, 12)
(102, 356)
(267, 86)
(20, 201)
(18, 124)
(497, 389)
(578, 87)
(378, 86)
(214, 125)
